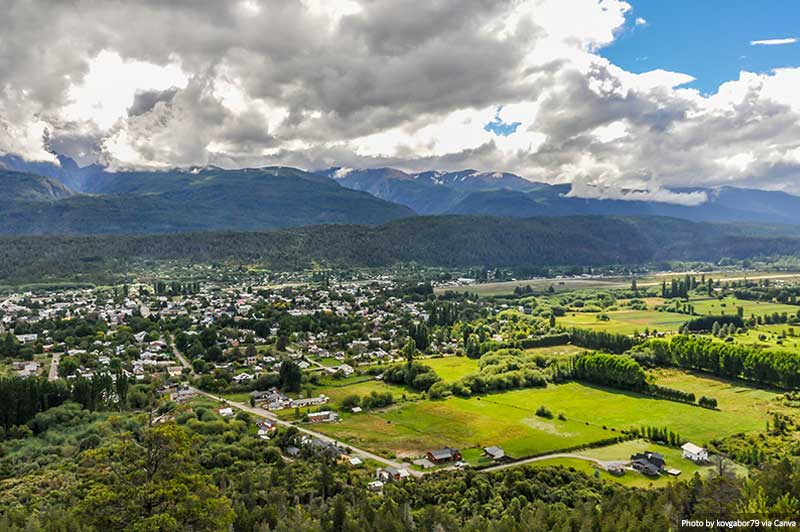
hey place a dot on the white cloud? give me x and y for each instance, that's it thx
(640, 21)
(360, 83)
(774, 42)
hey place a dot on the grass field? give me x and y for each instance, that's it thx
(733, 397)
(772, 337)
(556, 350)
(506, 288)
(508, 420)
(728, 305)
(451, 369)
(625, 321)
(622, 451)
(337, 393)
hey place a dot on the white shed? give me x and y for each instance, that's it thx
(694, 452)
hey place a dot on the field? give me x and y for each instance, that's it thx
(556, 350)
(733, 397)
(452, 368)
(775, 337)
(622, 451)
(508, 420)
(728, 305)
(506, 288)
(625, 321)
(337, 393)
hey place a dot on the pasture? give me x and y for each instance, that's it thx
(624, 321)
(508, 419)
(452, 368)
(620, 452)
(728, 305)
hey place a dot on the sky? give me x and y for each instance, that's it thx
(607, 95)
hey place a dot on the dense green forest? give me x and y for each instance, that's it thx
(451, 241)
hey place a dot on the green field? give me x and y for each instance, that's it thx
(625, 321)
(452, 368)
(337, 393)
(773, 339)
(728, 305)
(622, 451)
(506, 288)
(508, 420)
(556, 350)
(733, 397)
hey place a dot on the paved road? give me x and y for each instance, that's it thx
(361, 453)
(54, 367)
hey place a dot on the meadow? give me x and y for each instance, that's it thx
(624, 321)
(728, 305)
(622, 451)
(508, 419)
(452, 368)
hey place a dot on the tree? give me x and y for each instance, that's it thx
(152, 483)
(409, 351)
(291, 376)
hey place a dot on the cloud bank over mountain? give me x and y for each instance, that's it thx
(368, 83)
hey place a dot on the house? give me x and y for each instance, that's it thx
(648, 463)
(694, 452)
(391, 474)
(495, 453)
(376, 485)
(322, 417)
(355, 461)
(226, 412)
(444, 455)
(26, 338)
(182, 395)
(292, 450)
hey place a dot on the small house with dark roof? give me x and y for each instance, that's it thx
(648, 463)
(443, 455)
(495, 453)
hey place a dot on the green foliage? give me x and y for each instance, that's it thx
(619, 371)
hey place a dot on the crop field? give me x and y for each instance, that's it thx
(452, 368)
(508, 420)
(625, 321)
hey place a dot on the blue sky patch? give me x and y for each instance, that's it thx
(500, 128)
(711, 40)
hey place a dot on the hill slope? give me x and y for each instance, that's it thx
(21, 187)
(451, 241)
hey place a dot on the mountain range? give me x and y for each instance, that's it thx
(48, 198)
(504, 194)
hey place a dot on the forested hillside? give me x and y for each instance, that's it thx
(450, 241)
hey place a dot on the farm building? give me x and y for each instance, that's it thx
(444, 455)
(694, 452)
(495, 453)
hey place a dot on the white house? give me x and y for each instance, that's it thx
(694, 452)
